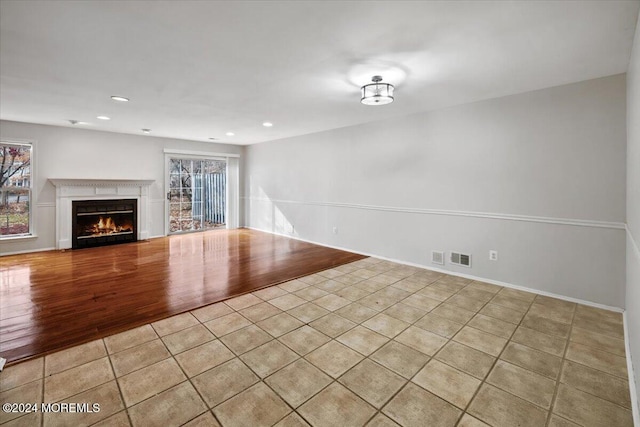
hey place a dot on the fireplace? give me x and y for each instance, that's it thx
(69, 190)
(103, 222)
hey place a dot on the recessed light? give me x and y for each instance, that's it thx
(103, 118)
(146, 130)
(120, 98)
(230, 134)
(267, 124)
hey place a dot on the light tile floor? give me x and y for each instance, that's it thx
(368, 343)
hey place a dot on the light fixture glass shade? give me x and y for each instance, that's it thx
(377, 93)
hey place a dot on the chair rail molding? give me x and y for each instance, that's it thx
(489, 215)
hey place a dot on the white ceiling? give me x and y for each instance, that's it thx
(195, 70)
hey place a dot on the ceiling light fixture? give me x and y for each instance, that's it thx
(103, 118)
(213, 139)
(147, 131)
(119, 98)
(267, 124)
(230, 134)
(377, 93)
(77, 122)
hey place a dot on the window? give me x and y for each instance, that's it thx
(15, 189)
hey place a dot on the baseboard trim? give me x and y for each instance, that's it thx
(487, 215)
(156, 237)
(455, 273)
(29, 251)
(633, 392)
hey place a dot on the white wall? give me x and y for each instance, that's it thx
(63, 152)
(548, 167)
(633, 207)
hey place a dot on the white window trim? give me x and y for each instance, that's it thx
(207, 154)
(32, 186)
(233, 182)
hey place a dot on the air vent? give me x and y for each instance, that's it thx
(458, 258)
(437, 257)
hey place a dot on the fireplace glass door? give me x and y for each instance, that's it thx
(197, 194)
(103, 222)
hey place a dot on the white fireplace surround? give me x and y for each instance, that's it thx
(68, 190)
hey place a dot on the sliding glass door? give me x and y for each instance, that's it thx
(197, 194)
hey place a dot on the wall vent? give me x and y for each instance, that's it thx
(458, 258)
(437, 257)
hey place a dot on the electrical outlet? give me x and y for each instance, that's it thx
(335, 230)
(493, 255)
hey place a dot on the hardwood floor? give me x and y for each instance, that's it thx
(53, 300)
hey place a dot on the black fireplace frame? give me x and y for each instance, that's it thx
(97, 207)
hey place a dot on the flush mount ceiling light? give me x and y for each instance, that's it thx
(377, 93)
(147, 131)
(77, 122)
(119, 98)
(267, 124)
(103, 118)
(230, 134)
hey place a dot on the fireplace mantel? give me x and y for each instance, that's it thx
(74, 182)
(70, 189)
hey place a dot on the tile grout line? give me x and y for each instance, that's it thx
(115, 378)
(497, 358)
(559, 376)
(169, 353)
(333, 380)
(262, 380)
(237, 356)
(389, 339)
(564, 359)
(378, 411)
(173, 356)
(94, 386)
(450, 339)
(567, 343)
(482, 381)
(217, 338)
(407, 381)
(336, 380)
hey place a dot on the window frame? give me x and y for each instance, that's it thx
(232, 214)
(32, 179)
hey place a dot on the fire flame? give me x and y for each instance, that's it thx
(107, 225)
